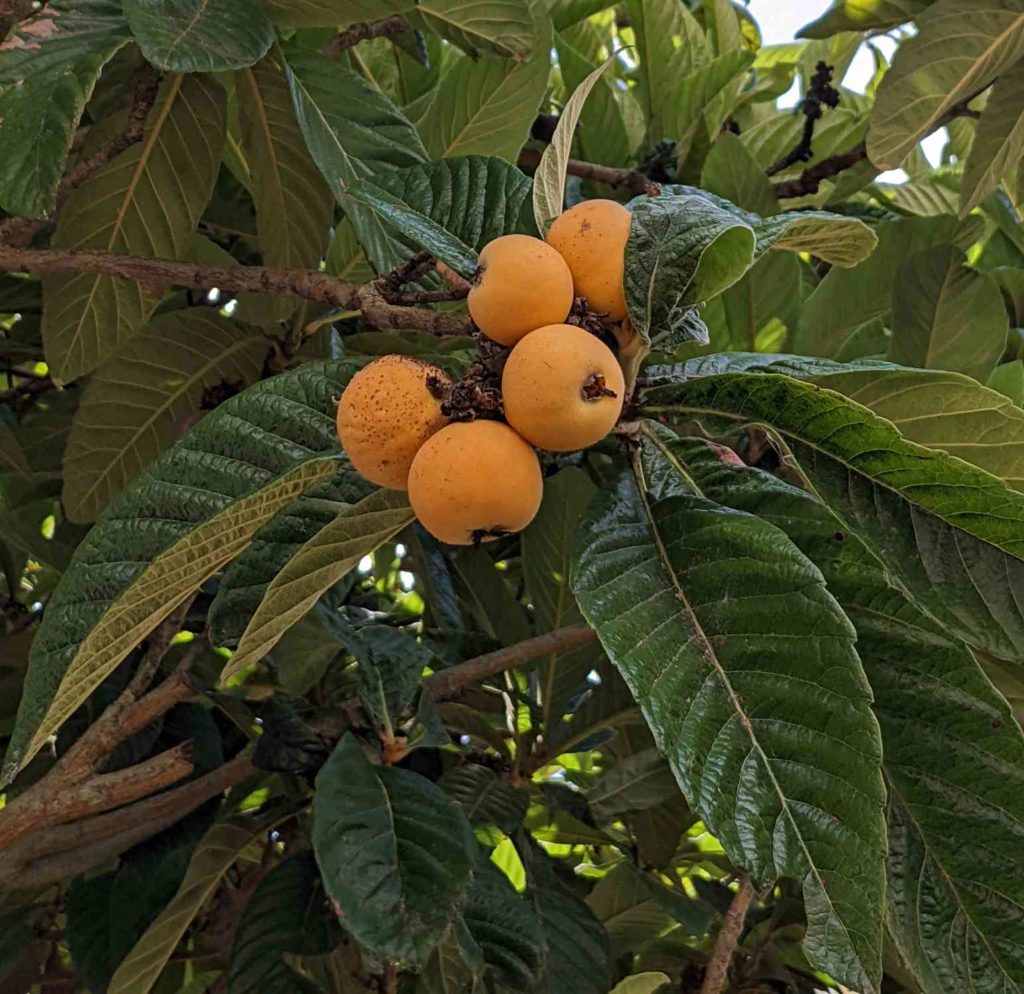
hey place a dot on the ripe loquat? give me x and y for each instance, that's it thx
(591, 237)
(474, 481)
(387, 411)
(523, 284)
(562, 388)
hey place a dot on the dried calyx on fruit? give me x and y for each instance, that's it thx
(386, 413)
(562, 388)
(522, 284)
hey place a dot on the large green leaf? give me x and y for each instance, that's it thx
(197, 36)
(136, 404)
(547, 557)
(332, 13)
(499, 27)
(486, 797)
(213, 856)
(483, 107)
(320, 563)
(959, 48)
(238, 449)
(549, 179)
(636, 783)
(741, 660)
(245, 581)
(287, 913)
(863, 15)
(954, 755)
(293, 204)
(147, 201)
(998, 140)
(952, 534)
(946, 315)
(44, 86)
(395, 853)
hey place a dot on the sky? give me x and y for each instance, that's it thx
(780, 20)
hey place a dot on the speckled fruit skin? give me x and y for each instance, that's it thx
(474, 481)
(386, 414)
(591, 237)
(543, 388)
(523, 284)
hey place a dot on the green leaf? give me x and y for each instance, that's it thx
(323, 560)
(953, 753)
(353, 132)
(641, 983)
(681, 251)
(287, 913)
(499, 27)
(575, 942)
(420, 229)
(136, 404)
(293, 205)
(959, 48)
(951, 534)
(487, 798)
(395, 853)
(741, 660)
(863, 15)
(547, 556)
(636, 783)
(1008, 379)
(197, 36)
(245, 581)
(45, 83)
(946, 315)
(549, 179)
(147, 201)
(672, 47)
(998, 140)
(483, 107)
(213, 856)
(239, 448)
(12, 457)
(332, 13)
(730, 171)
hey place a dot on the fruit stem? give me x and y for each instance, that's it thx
(594, 388)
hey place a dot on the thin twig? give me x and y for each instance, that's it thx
(450, 681)
(18, 231)
(820, 93)
(627, 179)
(30, 388)
(308, 284)
(393, 25)
(728, 938)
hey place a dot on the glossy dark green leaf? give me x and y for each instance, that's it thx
(287, 913)
(198, 36)
(953, 753)
(287, 744)
(274, 425)
(952, 534)
(637, 783)
(487, 797)
(395, 853)
(745, 668)
(45, 82)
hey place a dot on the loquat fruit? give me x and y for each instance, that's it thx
(386, 413)
(591, 237)
(474, 481)
(562, 388)
(523, 284)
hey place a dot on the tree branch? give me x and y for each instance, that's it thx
(627, 179)
(450, 681)
(820, 93)
(353, 35)
(369, 298)
(30, 388)
(728, 938)
(18, 231)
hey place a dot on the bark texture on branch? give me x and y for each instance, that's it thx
(626, 179)
(364, 31)
(728, 938)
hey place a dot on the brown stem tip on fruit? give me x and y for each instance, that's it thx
(594, 388)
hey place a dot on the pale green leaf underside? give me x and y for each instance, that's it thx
(319, 564)
(745, 669)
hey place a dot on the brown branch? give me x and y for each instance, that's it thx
(30, 388)
(728, 938)
(18, 231)
(394, 25)
(11, 13)
(627, 179)
(450, 681)
(820, 93)
(310, 285)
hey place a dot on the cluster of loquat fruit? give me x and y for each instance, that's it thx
(562, 388)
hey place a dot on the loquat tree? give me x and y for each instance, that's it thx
(497, 498)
